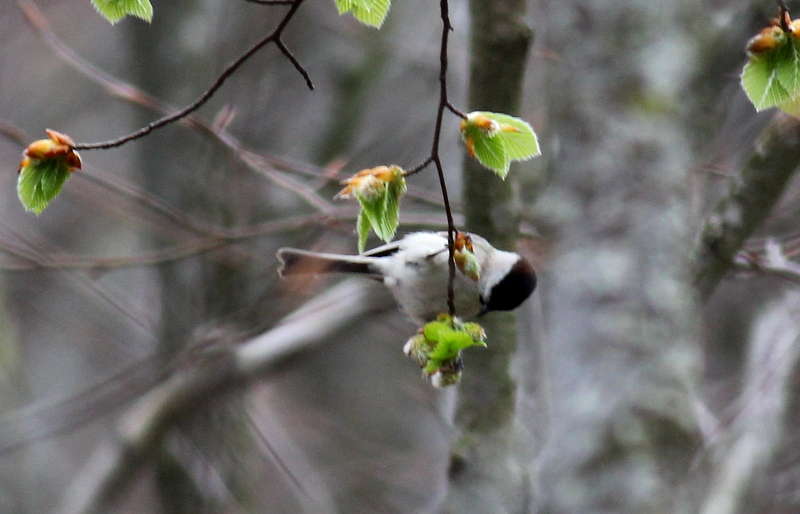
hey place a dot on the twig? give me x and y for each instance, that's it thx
(299, 67)
(419, 167)
(436, 159)
(274, 37)
(12, 133)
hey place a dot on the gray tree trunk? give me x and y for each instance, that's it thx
(622, 352)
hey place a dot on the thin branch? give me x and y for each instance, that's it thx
(32, 261)
(12, 133)
(169, 254)
(437, 132)
(299, 67)
(274, 37)
(419, 167)
(455, 111)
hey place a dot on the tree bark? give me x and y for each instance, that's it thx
(484, 474)
(622, 354)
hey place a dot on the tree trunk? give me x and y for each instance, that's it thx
(622, 355)
(485, 476)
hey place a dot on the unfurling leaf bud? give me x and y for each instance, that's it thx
(437, 348)
(497, 139)
(464, 255)
(45, 165)
(767, 39)
(378, 191)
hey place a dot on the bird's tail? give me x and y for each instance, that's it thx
(297, 262)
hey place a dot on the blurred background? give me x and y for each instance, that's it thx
(160, 254)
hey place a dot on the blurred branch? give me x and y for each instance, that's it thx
(41, 260)
(12, 133)
(756, 432)
(113, 467)
(749, 199)
(172, 253)
(773, 261)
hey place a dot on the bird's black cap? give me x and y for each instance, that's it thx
(513, 289)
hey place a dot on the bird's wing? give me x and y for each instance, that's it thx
(383, 250)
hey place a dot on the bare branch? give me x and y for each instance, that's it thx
(12, 133)
(299, 67)
(444, 10)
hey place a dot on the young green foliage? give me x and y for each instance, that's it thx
(45, 165)
(40, 181)
(378, 191)
(368, 12)
(115, 10)
(437, 347)
(771, 78)
(497, 139)
(464, 256)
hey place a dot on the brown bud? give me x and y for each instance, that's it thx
(73, 160)
(58, 137)
(38, 149)
(764, 41)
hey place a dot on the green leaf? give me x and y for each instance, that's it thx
(115, 10)
(496, 139)
(475, 331)
(40, 181)
(468, 264)
(760, 81)
(787, 66)
(520, 144)
(450, 343)
(383, 211)
(791, 106)
(491, 152)
(434, 328)
(368, 12)
(363, 231)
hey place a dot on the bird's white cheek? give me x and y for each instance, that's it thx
(390, 281)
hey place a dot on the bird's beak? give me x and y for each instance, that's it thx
(484, 310)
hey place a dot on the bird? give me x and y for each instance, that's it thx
(415, 269)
